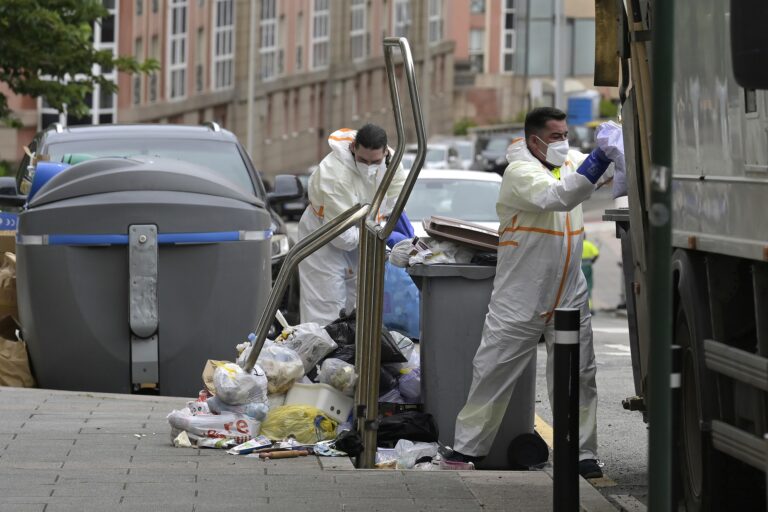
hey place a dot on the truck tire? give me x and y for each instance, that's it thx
(700, 475)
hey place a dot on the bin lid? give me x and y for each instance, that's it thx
(104, 175)
(476, 272)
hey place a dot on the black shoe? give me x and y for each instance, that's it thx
(455, 456)
(588, 468)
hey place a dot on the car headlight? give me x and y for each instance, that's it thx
(280, 246)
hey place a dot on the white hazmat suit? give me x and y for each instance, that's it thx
(539, 269)
(328, 277)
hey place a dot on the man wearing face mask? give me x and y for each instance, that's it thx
(539, 269)
(349, 175)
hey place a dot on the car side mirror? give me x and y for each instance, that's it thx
(287, 188)
(9, 195)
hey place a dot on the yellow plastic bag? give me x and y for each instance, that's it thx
(306, 423)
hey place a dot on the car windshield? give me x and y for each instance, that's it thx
(470, 200)
(222, 157)
(436, 154)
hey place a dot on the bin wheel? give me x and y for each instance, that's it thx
(526, 451)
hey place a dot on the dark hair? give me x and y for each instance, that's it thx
(372, 137)
(536, 120)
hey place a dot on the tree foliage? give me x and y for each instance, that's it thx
(46, 49)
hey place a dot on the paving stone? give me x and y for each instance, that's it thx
(21, 507)
(87, 490)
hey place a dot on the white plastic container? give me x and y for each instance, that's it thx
(334, 403)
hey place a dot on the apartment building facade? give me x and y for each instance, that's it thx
(318, 66)
(504, 55)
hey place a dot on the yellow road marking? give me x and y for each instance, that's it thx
(548, 435)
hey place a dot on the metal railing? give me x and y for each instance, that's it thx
(373, 237)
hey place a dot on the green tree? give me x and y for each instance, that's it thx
(46, 49)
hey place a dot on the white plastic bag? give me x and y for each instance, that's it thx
(610, 139)
(407, 452)
(238, 427)
(256, 410)
(311, 341)
(441, 252)
(338, 374)
(235, 387)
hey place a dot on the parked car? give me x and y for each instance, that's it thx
(294, 209)
(439, 156)
(494, 156)
(466, 195)
(465, 148)
(207, 145)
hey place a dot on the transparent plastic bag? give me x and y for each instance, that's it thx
(255, 410)
(236, 387)
(407, 452)
(409, 385)
(338, 374)
(311, 341)
(282, 365)
(214, 426)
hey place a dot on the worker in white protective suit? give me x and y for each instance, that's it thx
(539, 269)
(349, 175)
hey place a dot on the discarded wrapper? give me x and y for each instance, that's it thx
(182, 440)
(254, 444)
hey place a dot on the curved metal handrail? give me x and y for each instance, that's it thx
(390, 44)
(301, 250)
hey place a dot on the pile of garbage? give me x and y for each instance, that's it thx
(298, 400)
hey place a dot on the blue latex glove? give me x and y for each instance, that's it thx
(403, 229)
(594, 166)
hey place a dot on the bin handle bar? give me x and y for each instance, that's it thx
(390, 44)
(301, 250)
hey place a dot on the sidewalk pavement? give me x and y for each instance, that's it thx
(79, 451)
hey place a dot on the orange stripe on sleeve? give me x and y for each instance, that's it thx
(350, 139)
(510, 242)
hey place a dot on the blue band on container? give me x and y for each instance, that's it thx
(162, 238)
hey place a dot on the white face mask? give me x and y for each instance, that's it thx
(368, 170)
(557, 152)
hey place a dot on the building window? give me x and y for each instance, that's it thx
(477, 6)
(139, 7)
(177, 47)
(358, 31)
(155, 5)
(299, 63)
(268, 48)
(402, 17)
(435, 21)
(321, 25)
(199, 60)
(154, 52)
(224, 44)
(138, 53)
(477, 49)
(508, 36)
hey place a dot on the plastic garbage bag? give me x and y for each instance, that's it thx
(306, 423)
(342, 331)
(403, 250)
(407, 452)
(311, 341)
(282, 365)
(400, 311)
(411, 425)
(236, 387)
(338, 374)
(441, 252)
(610, 139)
(255, 410)
(227, 425)
(392, 396)
(405, 344)
(409, 385)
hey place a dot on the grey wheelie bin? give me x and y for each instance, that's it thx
(133, 272)
(454, 302)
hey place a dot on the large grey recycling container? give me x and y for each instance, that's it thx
(454, 302)
(134, 272)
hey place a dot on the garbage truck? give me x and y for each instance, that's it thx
(719, 254)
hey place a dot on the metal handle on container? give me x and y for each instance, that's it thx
(301, 250)
(390, 44)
